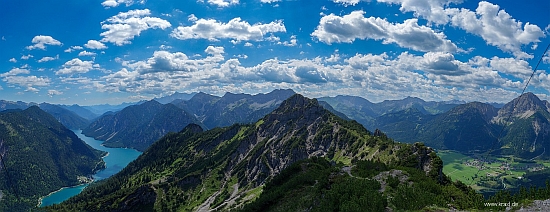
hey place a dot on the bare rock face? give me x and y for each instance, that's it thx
(288, 134)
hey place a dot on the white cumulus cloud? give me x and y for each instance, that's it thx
(494, 25)
(223, 3)
(94, 44)
(431, 10)
(73, 48)
(40, 42)
(86, 53)
(46, 59)
(236, 29)
(51, 93)
(497, 28)
(347, 2)
(27, 81)
(122, 28)
(347, 28)
(76, 66)
(116, 3)
(15, 71)
(26, 57)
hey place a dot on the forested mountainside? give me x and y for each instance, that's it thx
(40, 156)
(138, 126)
(464, 128)
(227, 168)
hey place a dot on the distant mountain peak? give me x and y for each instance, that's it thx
(413, 98)
(202, 95)
(523, 106)
(282, 91)
(234, 94)
(528, 98)
(483, 109)
(297, 101)
(151, 102)
(175, 96)
(297, 107)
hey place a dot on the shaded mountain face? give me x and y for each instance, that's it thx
(403, 125)
(467, 127)
(40, 156)
(223, 111)
(224, 168)
(138, 126)
(332, 110)
(355, 108)
(107, 108)
(68, 118)
(81, 111)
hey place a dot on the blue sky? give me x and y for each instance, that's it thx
(96, 51)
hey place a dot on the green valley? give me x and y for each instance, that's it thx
(489, 173)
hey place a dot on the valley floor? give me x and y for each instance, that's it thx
(488, 174)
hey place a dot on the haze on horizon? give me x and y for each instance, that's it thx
(114, 51)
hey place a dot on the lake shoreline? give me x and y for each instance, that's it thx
(66, 187)
(114, 161)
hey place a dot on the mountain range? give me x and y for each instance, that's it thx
(208, 152)
(521, 127)
(40, 155)
(231, 108)
(228, 168)
(465, 127)
(365, 112)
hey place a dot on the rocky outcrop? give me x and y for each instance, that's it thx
(288, 134)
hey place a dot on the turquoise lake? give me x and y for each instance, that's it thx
(115, 161)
